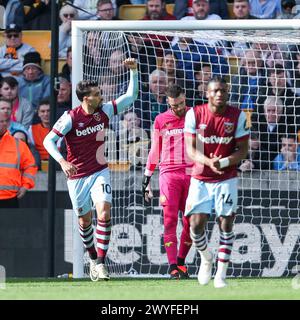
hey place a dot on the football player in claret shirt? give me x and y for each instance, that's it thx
(168, 149)
(86, 169)
(216, 138)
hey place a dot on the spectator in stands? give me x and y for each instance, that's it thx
(105, 10)
(265, 9)
(67, 13)
(203, 73)
(250, 84)
(289, 156)
(64, 96)
(14, 12)
(201, 11)
(185, 8)
(276, 55)
(17, 170)
(188, 52)
(294, 75)
(287, 9)
(153, 102)
(133, 140)
(37, 14)
(15, 128)
(263, 48)
(177, 75)
(89, 7)
(22, 110)
(92, 55)
(34, 85)
(66, 71)
(169, 66)
(117, 71)
(38, 131)
(12, 53)
(241, 9)
(155, 10)
(278, 86)
(146, 56)
(270, 128)
(108, 88)
(252, 162)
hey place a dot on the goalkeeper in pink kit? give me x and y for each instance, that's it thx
(168, 149)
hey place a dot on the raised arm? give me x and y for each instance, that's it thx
(130, 96)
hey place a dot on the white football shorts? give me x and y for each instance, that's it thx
(85, 192)
(221, 196)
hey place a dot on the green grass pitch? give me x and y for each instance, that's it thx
(148, 289)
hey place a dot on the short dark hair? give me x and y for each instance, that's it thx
(217, 78)
(241, 1)
(11, 81)
(174, 90)
(288, 3)
(84, 88)
(44, 101)
(200, 65)
(101, 2)
(289, 136)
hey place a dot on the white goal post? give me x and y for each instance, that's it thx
(267, 227)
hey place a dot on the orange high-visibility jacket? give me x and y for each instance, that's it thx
(17, 166)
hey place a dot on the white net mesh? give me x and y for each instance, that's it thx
(263, 70)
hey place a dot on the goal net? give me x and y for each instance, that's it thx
(261, 63)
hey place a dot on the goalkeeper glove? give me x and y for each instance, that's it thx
(145, 183)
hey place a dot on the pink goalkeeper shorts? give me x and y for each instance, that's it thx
(174, 188)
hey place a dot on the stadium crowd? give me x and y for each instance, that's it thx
(265, 84)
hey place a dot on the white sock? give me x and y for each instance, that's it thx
(222, 270)
(206, 254)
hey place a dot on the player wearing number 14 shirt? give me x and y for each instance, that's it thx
(86, 169)
(216, 139)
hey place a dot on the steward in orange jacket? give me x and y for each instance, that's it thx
(17, 168)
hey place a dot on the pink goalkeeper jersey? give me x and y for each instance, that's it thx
(167, 145)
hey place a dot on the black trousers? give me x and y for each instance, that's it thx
(9, 203)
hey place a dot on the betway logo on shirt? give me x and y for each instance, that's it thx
(215, 139)
(90, 130)
(174, 131)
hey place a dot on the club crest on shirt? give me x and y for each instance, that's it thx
(97, 116)
(228, 127)
(162, 199)
(202, 126)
